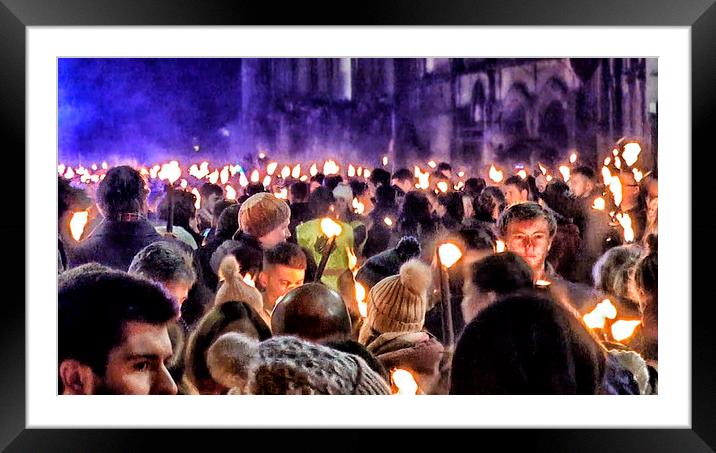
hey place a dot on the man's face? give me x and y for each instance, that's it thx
(210, 201)
(530, 239)
(580, 185)
(276, 236)
(137, 365)
(279, 279)
(179, 290)
(513, 195)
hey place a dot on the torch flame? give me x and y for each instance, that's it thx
(358, 207)
(214, 176)
(360, 298)
(170, 171)
(230, 193)
(330, 228)
(500, 246)
(596, 318)
(359, 171)
(432, 164)
(615, 186)
(548, 178)
(599, 204)
(615, 152)
(60, 169)
(94, 167)
(617, 162)
(593, 320)
(573, 158)
(388, 221)
(104, 165)
(404, 381)
(271, 168)
(313, 170)
(522, 174)
(249, 280)
(542, 283)
(285, 172)
(267, 181)
(69, 174)
(352, 259)
(637, 174)
(625, 222)
(282, 194)
(224, 175)
(366, 173)
(565, 172)
(330, 167)
(495, 174)
(606, 175)
(255, 176)
(183, 183)
(351, 171)
(262, 155)
(623, 329)
(78, 223)
(631, 153)
(303, 178)
(542, 169)
(461, 174)
(443, 186)
(606, 308)
(607, 161)
(197, 203)
(296, 171)
(449, 254)
(385, 160)
(243, 182)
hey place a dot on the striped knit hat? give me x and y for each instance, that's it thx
(398, 303)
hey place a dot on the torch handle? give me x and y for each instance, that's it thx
(448, 329)
(170, 214)
(324, 258)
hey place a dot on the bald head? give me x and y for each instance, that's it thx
(313, 312)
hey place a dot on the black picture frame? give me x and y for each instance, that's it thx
(699, 15)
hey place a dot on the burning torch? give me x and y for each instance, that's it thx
(447, 255)
(170, 172)
(331, 230)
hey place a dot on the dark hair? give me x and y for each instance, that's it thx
(209, 329)
(502, 273)
(220, 206)
(444, 166)
(557, 196)
(319, 202)
(332, 181)
(385, 197)
(486, 202)
(254, 188)
(403, 175)
(286, 254)
(121, 191)
(184, 208)
(527, 343)
(208, 189)
(474, 186)
(518, 182)
(228, 222)
(358, 187)
(163, 262)
(525, 211)
(380, 176)
(584, 171)
(318, 177)
(299, 190)
(478, 238)
(95, 303)
(415, 211)
(452, 201)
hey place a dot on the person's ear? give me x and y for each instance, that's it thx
(263, 279)
(77, 378)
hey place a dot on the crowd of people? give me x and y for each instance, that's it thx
(253, 296)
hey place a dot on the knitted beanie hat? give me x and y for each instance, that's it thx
(398, 303)
(234, 288)
(287, 365)
(262, 213)
(343, 191)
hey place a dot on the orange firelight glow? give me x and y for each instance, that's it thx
(404, 381)
(449, 254)
(623, 329)
(78, 223)
(330, 228)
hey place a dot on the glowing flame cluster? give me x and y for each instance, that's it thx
(443, 186)
(596, 318)
(358, 207)
(423, 178)
(624, 328)
(388, 221)
(230, 193)
(625, 221)
(599, 204)
(170, 172)
(296, 171)
(78, 223)
(564, 170)
(330, 168)
(500, 246)
(197, 203)
(522, 174)
(631, 153)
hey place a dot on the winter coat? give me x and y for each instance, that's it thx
(114, 243)
(417, 352)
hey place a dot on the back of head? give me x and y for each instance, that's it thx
(231, 316)
(121, 191)
(379, 177)
(526, 344)
(220, 207)
(262, 213)
(388, 262)
(332, 181)
(313, 312)
(489, 199)
(94, 305)
(184, 209)
(613, 271)
(416, 208)
(299, 191)
(163, 262)
(501, 273)
(385, 196)
(254, 188)
(474, 186)
(452, 201)
(228, 222)
(207, 189)
(319, 202)
(358, 187)
(404, 175)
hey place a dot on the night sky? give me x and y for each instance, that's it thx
(147, 109)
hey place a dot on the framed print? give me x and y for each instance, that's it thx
(55, 58)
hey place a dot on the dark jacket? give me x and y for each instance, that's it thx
(114, 243)
(299, 214)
